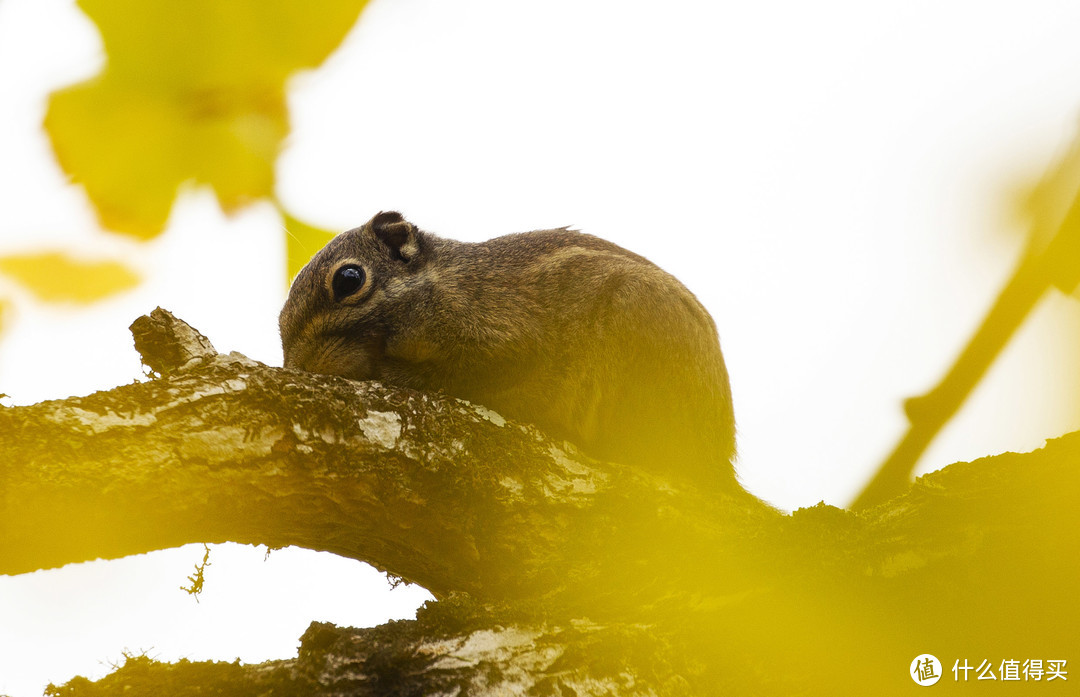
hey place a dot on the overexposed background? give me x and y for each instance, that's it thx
(837, 181)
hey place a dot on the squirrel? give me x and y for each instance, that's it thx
(588, 341)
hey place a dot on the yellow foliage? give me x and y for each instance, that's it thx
(1051, 207)
(302, 242)
(56, 277)
(192, 91)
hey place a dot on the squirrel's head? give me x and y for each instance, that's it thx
(336, 318)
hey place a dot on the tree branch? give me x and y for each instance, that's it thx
(559, 575)
(439, 491)
(1056, 263)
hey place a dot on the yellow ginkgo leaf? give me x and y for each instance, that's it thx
(302, 241)
(56, 277)
(191, 91)
(5, 311)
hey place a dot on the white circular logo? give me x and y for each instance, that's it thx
(925, 669)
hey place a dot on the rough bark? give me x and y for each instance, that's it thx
(557, 574)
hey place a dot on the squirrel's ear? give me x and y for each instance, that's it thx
(396, 233)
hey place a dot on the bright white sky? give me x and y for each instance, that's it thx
(835, 180)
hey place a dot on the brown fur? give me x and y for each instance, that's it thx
(590, 342)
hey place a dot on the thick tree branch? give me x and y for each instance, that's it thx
(439, 491)
(581, 577)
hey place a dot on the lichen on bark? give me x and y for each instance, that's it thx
(555, 574)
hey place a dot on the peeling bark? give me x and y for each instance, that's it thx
(557, 574)
(436, 490)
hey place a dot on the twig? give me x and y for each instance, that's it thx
(1057, 264)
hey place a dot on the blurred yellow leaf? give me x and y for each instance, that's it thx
(1045, 203)
(5, 309)
(302, 241)
(56, 277)
(1050, 206)
(192, 91)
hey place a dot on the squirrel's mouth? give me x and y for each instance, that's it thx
(338, 355)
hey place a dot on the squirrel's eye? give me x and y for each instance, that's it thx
(347, 280)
